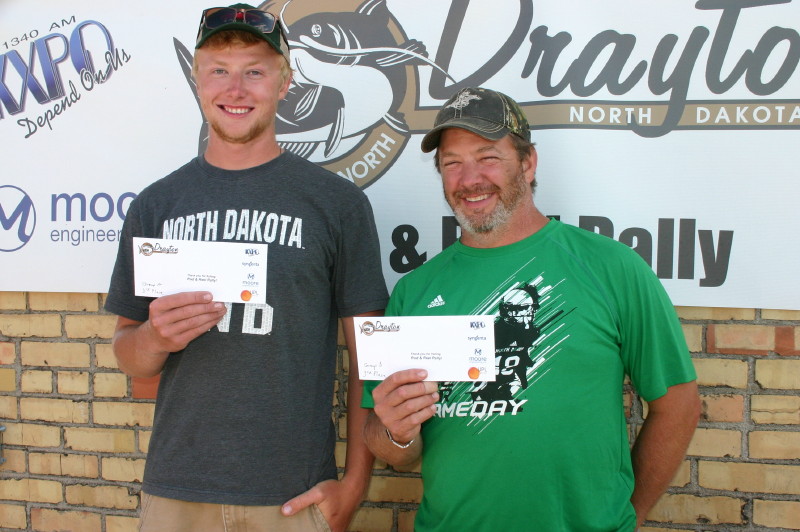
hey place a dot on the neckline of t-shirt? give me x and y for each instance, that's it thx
(523, 244)
(215, 172)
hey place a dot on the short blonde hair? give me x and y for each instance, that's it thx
(239, 39)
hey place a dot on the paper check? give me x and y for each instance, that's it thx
(232, 271)
(450, 348)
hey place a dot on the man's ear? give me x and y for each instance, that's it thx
(529, 164)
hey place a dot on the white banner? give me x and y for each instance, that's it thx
(669, 126)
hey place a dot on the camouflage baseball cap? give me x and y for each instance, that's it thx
(485, 112)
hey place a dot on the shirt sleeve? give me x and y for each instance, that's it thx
(358, 276)
(653, 346)
(121, 299)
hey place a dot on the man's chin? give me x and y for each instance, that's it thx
(475, 226)
(237, 138)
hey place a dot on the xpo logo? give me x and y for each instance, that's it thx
(17, 218)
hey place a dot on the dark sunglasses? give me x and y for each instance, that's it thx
(214, 17)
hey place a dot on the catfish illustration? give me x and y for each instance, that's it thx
(349, 75)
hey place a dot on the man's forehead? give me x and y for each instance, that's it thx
(240, 57)
(455, 137)
(236, 50)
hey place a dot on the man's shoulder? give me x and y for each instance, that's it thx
(319, 182)
(581, 242)
(177, 177)
(430, 268)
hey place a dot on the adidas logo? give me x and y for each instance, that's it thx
(437, 302)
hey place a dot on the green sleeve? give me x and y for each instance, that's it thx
(653, 346)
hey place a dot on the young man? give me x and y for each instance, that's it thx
(242, 435)
(544, 446)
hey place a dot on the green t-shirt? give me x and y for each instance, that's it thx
(545, 446)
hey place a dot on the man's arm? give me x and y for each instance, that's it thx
(339, 500)
(142, 348)
(402, 403)
(662, 443)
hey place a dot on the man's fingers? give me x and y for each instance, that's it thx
(406, 407)
(184, 337)
(303, 500)
(177, 319)
(404, 401)
(181, 299)
(189, 317)
(404, 385)
(404, 377)
(405, 420)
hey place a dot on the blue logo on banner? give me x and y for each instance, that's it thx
(17, 218)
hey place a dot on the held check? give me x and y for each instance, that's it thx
(450, 348)
(233, 272)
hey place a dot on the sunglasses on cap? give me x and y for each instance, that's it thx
(214, 17)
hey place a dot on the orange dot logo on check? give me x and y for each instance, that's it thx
(474, 373)
(246, 295)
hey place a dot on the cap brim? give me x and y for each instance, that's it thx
(482, 128)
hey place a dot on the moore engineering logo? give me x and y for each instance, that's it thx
(17, 218)
(354, 101)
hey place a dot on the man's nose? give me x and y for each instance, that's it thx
(470, 174)
(236, 85)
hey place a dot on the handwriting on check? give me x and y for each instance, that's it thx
(151, 288)
(201, 278)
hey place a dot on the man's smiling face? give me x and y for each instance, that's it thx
(239, 89)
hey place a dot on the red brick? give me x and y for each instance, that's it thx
(785, 341)
(740, 339)
(722, 408)
(8, 354)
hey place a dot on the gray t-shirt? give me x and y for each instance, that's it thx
(243, 414)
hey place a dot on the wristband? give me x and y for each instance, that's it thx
(401, 445)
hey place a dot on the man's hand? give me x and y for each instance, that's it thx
(336, 500)
(177, 319)
(404, 401)
(662, 443)
(142, 348)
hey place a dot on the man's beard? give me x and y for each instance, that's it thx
(254, 132)
(509, 199)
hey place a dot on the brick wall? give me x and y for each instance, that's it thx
(77, 429)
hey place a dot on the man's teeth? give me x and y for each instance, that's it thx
(477, 198)
(237, 110)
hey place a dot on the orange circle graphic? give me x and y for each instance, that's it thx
(246, 295)
(474, 373)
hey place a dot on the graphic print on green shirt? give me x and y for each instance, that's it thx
(545, 446)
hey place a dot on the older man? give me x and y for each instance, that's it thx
(544, 447)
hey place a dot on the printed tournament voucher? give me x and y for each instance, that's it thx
(450, 348)
(233, 272)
